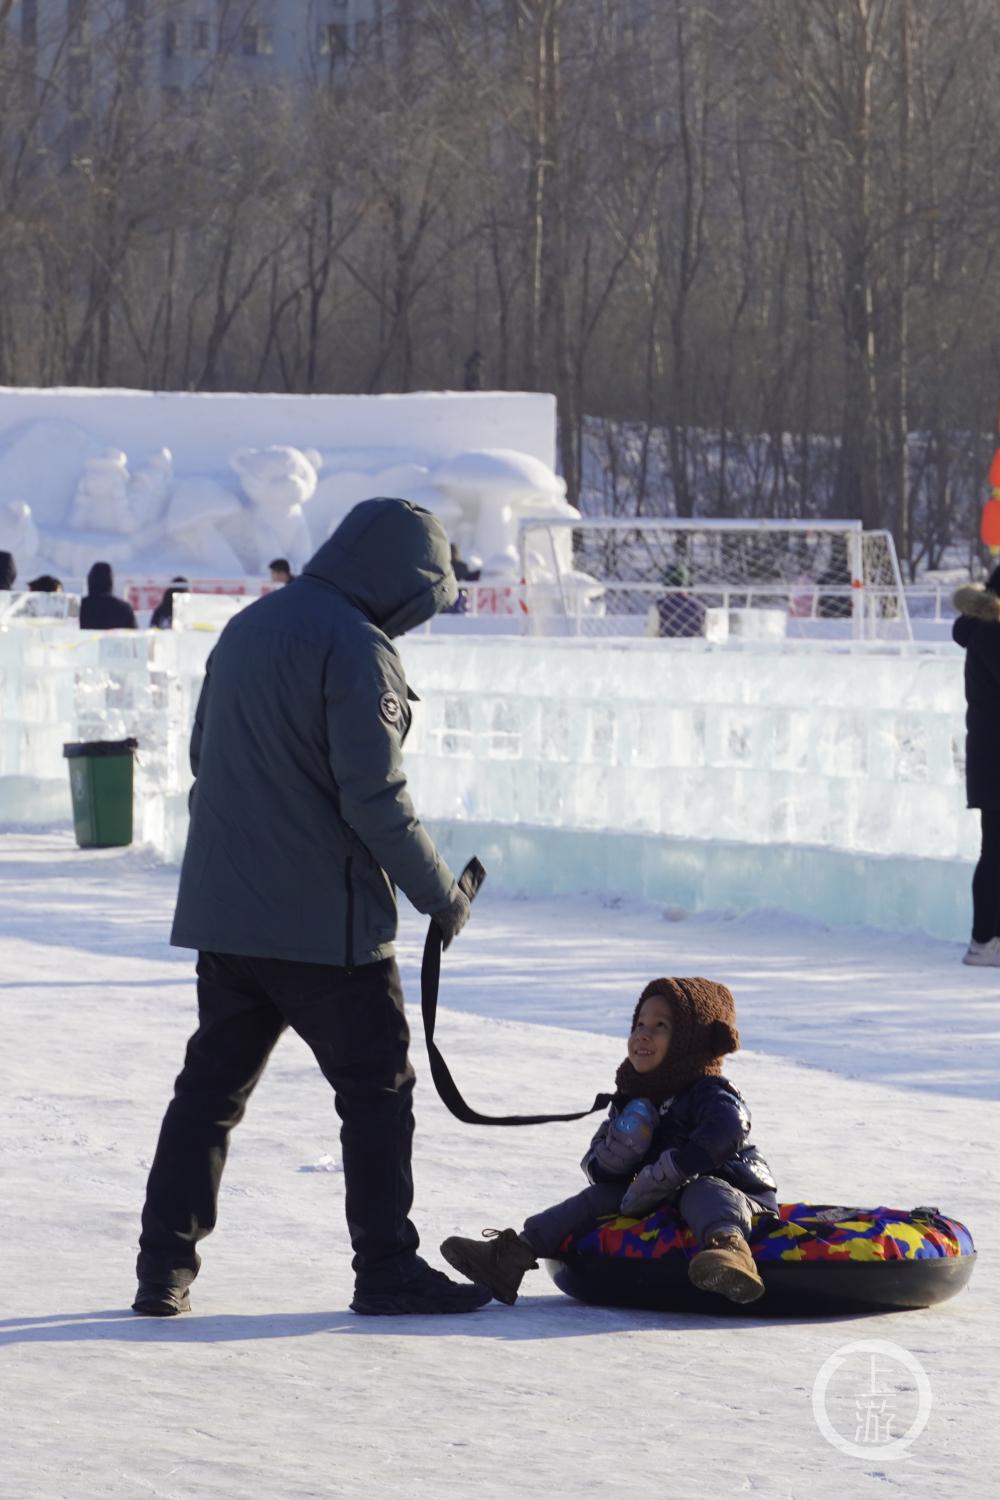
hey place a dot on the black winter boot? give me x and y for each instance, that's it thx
(429, 1291)
(500, 1263)
(158, 1299)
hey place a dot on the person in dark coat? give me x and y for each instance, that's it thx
(8, 570)
(837, 576)
(677, 613)
(100, 610)
(301, 829)
(677, 1132)
(162, 617)
(977, 630)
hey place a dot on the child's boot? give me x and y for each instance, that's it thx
(499, 1264)
(726, 1266)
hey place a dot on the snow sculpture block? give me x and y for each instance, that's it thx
(197, 508)
(19, 535)
(101, 502)
(495, 488)
(278, 482)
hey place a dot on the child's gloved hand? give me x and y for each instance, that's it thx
(653, 1186)
(626, 1138)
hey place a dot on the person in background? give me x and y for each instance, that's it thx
(8, 570)
(101, 610)
(677, 613)
(473, 373)
(837, 605)
(281, 571)
(977, 631)
(465, 574)
(163, 615)
(45, 584)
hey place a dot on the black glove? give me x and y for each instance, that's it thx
(453, 917)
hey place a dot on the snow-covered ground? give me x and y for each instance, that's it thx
(871, 1066)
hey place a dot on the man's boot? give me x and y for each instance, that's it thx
(499, 1263)
(161, 1299)
(727, 1267)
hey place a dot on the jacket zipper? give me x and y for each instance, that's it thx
(349, 946)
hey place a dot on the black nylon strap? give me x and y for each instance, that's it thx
(470, 880)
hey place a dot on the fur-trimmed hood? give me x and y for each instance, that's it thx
(978, 602)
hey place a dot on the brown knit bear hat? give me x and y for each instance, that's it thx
(704, 1030)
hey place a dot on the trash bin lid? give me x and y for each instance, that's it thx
(100, 747)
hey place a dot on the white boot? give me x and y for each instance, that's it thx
(983, 955)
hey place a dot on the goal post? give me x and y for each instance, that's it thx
(676, 577)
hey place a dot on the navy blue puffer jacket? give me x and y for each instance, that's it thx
(707, 1126)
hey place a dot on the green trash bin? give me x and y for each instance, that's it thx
(100, 783)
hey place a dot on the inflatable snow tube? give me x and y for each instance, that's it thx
(812, 1259)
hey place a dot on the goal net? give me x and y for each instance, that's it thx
(682, 578)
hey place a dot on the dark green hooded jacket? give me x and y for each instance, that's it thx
(301, 824)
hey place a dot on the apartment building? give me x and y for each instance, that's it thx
(172, 46)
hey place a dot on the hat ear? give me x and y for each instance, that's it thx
(723, 1038)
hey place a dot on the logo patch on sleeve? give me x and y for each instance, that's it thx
(390, 708)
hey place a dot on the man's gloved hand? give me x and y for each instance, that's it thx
(653, 1186)
(626, 1138)
(453, 917)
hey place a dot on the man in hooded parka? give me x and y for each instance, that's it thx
(301, 828)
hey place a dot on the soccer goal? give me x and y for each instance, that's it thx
(678, 577)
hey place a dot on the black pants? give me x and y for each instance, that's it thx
(355, 1023)
(986, 881)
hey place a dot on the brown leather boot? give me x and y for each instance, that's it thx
(727, 1267)
(499, 1264)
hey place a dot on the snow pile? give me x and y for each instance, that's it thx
(271, 1388)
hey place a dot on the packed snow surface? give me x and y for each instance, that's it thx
(870, 1065)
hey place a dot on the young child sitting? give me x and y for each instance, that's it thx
(677, 1132)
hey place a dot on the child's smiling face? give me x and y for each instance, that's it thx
(649, 1042)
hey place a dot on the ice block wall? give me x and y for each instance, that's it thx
(829, 783)
(851, 751)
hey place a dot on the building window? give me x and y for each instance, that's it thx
(331, 39)
(29, 23)
(258, 40)
(171, 38)
(76, 23)
(201, 36)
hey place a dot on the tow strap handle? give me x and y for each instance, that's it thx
(470, 880)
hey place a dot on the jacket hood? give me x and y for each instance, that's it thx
(393, 560)
(8, 571)
(979, 603)
(99, 579)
